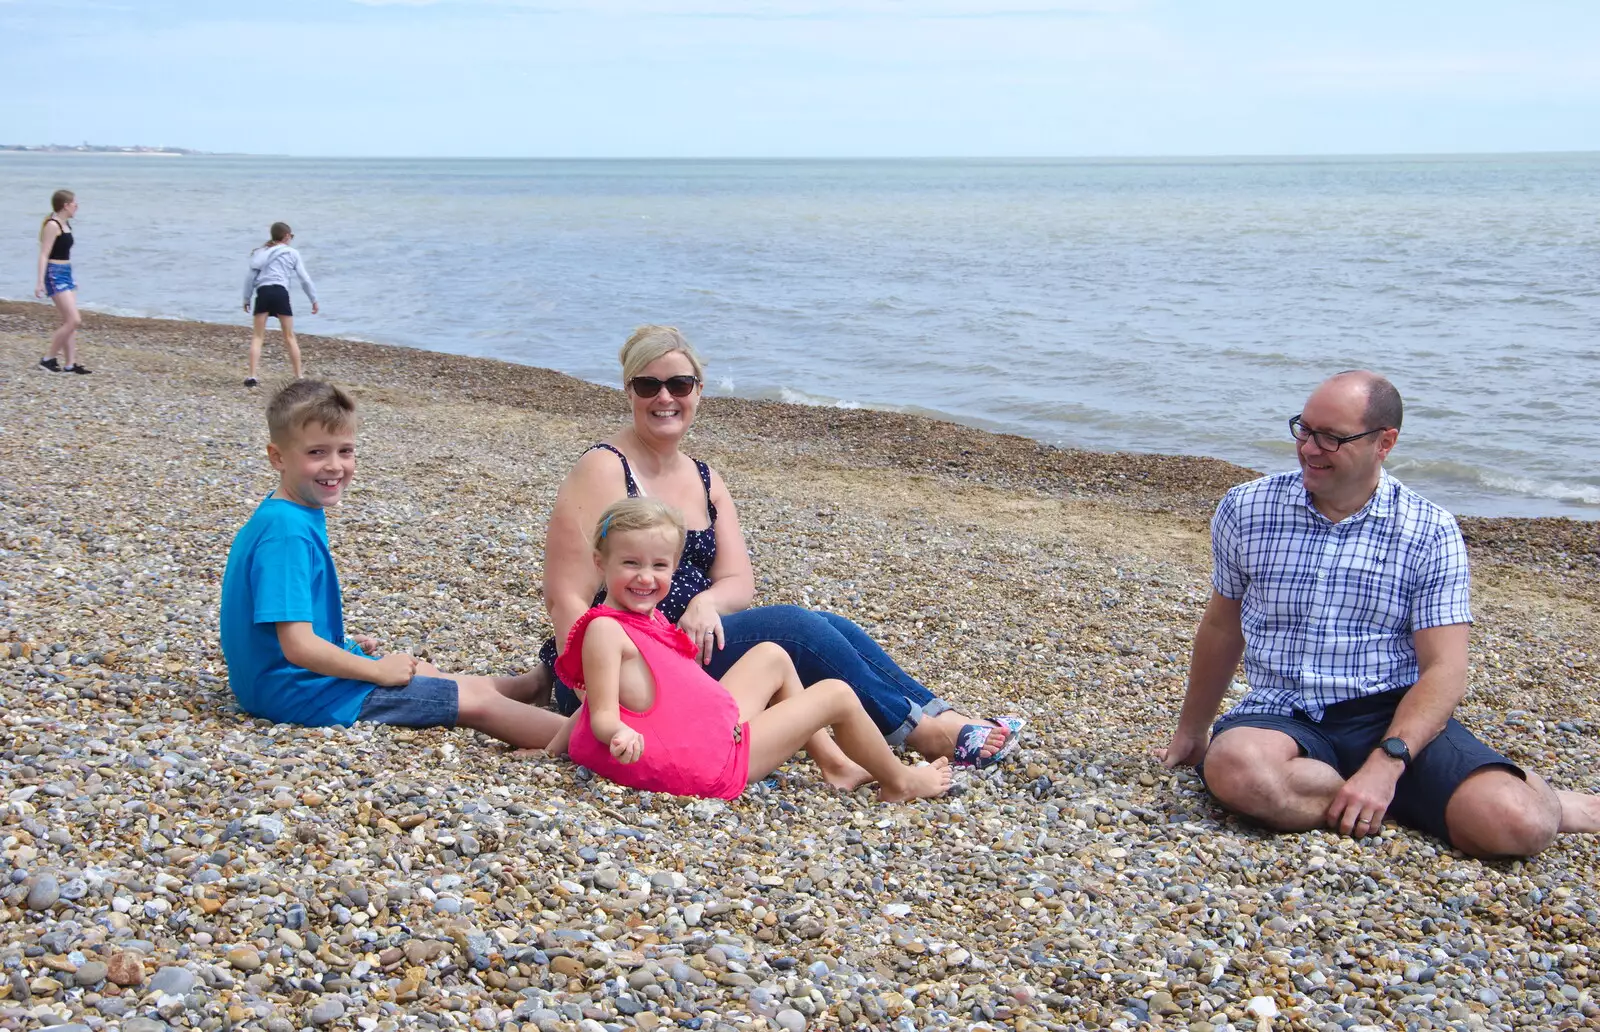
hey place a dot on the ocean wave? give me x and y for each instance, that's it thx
(1462, 474)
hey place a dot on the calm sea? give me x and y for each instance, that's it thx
(1180, 306)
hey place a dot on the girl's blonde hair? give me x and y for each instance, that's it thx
(638, 514)
(649, 343)
(279, 233)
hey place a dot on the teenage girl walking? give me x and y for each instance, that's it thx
(55, 282)
(272, 265)
(653, 719)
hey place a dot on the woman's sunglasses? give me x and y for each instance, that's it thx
(650, 386)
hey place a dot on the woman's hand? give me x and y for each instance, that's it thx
(39, 290)
(315, 308)
(703, 624)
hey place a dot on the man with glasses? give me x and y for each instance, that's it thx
(1346, 594)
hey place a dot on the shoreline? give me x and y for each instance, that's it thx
(278, 877)
(1185, 485)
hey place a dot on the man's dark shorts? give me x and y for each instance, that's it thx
(1349, 731)
(422, 702)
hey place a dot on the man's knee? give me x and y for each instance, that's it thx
(1246, 777)
(1495, 813)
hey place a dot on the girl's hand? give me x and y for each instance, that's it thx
(368, 643)
(314, 308)
(627, 745)
(247, 307)
(703, 624)
(39, 290)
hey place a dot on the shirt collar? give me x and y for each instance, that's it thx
(1380, 505)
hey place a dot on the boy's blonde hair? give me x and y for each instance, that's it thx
(649, 343)
(638, 514)
(308, 401)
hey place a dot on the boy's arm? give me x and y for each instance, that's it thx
(302, 647)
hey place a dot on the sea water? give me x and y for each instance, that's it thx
(1175, 306)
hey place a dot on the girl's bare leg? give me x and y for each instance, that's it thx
(290, 344)
(258, 333)
(764, 676)
(64, 342)
(778, 733)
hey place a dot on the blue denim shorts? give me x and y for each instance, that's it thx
(58, 279)
(1348, 733)
(422, 702)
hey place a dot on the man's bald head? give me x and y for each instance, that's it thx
(1384, 407)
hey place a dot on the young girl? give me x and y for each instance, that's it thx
(653, 719)
(55, 282)
(271, 266)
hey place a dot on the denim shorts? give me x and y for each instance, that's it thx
(58, 279)
(1348, 733)
(422, 702)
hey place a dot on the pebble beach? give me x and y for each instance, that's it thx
(169, 862)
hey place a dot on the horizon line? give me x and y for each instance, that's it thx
(131, 150)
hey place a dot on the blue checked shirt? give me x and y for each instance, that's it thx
(1328, 609)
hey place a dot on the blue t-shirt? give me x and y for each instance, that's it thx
(280, 571)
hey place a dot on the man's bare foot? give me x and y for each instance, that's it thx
(921, 782)
(848, 775)
(1580, 812)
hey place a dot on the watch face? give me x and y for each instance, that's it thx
(1396, 748)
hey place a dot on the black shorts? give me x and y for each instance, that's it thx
(1349, 731)
(272, 299)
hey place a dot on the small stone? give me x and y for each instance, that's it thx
(1262, 1007)
(44, 892)
(90, 973)
(125, 969)
(174, 981)
(328, 1010)
(791, 1020)
(244, 958)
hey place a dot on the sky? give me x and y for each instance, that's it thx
(803, 78)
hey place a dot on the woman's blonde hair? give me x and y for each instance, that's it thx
(649, 343)
(638, 514)
(279, 232)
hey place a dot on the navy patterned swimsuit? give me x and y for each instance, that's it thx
(694, 569)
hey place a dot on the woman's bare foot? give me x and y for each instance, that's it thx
(936, 736)
(532, 687)
(921, 782)
(847, 775)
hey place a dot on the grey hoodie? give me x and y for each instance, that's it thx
(274, 264)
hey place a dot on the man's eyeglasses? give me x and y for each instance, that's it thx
(650, 386)
(1326, 441)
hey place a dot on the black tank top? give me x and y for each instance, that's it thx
(61, 248)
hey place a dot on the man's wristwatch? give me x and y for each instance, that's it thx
(1396, 749)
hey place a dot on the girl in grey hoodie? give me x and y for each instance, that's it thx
(271, 266)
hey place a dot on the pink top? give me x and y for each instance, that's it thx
(694, 743)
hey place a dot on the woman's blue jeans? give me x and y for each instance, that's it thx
(822, 645)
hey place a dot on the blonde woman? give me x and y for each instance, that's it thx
(55, 282)
(713, 585)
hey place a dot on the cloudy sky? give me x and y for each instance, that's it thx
(789, 78)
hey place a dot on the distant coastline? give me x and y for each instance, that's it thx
(93, 148)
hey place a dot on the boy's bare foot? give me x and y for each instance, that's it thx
(848, 775)
(922, 782)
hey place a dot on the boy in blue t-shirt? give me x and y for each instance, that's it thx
(282, 620)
